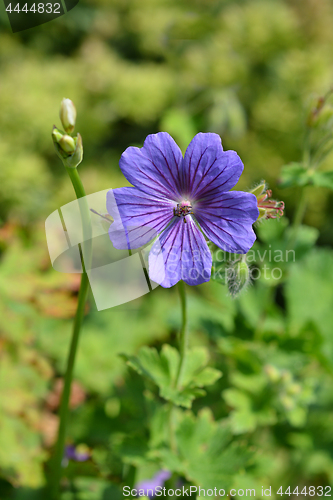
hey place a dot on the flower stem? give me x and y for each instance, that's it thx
(298, 218)
(301, 207)
(183, 334)
(85, 216)
(56, 463)
(63, 413)
(183, 341)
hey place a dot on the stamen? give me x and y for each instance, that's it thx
(184, 208)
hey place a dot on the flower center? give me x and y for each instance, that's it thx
(183, 208)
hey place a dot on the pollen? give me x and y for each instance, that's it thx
(184, 208)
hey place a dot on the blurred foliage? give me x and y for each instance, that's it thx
(251, 71)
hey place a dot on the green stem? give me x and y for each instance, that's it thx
(183, 334)
(56, 463)
(301, 207)
(183, 341)
(298, 218)
(76, 181)
(63, 413)
(85, 215)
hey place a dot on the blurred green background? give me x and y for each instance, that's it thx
(247, 70)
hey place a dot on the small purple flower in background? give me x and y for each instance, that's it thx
(148, 486)
(79, 453)
(181, 200)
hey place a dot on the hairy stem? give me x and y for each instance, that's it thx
(183, 334)
(298, 218)
(183, 341)
(56, 463)
(301, 207)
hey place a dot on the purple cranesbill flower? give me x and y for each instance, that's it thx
(182, 200)
(148, 486)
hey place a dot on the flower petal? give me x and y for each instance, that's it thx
(181, 253)
(154, 168)
(221, 177)
(227, 220)
(138, 217)
(199, 158)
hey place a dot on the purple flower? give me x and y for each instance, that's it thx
(181, 200)
(149, 485)
(77, 453)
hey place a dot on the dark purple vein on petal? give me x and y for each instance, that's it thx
(193, 194)
(195, 172)
(203, 224)
(204, 189)
(166, 193)
(170, 170)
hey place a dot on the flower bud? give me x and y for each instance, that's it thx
(67, 144)
(56, 134)
(69, 149)
(242, 272)
(238, 276)
(75, 159)
(67, 115)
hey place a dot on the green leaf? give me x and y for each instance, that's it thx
(89, 488)
(132, 449)
(309, 296)
(208, 376)
(305, 240)
(207, 454)
(181, 398)
(294, 174)
(297, 416)
(162, 369)
(159, 426)
(245, 417)
(323, 179)
(272, 230)
(149, 364)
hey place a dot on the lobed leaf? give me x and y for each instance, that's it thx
(162, 369)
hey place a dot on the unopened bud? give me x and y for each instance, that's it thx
(56, 134)
(238, 276)
(68, 115)
(242, 272)
(67, 144)
(68, 148)
(75, 159)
